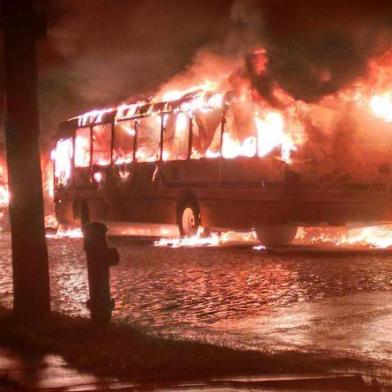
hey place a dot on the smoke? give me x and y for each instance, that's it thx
(122, 48)
(315, 52)
(99, 53)
(103, 52)
(315, 48)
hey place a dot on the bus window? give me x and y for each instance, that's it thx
(271, 136)
(239, 138)
(124, 135)
(148, 139)
(175, 136)
(206, 134)
(102, 136)
(63, 161)
(82, 147)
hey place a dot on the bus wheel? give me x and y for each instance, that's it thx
(274, 235)
(188, 219)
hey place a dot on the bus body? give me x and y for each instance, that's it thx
(166, 163)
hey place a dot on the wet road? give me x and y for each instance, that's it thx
(336, 303)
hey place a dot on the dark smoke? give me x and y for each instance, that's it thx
(101, 52)
(315, 48)
(112, 50)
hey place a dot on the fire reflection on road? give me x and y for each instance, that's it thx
(303, 299)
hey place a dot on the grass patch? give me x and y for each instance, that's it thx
(123, 351)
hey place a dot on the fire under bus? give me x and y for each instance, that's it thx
(201, 160)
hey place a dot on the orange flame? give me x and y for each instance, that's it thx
(381, 106)
(4, 196)
(213, 239)
(377, 237)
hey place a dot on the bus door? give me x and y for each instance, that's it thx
(251, 186)
(203, 167)
(92, 170)
(82, 186)
(82, 158)
(123, 157)
(190, 163)
(173, 168)
(144, 185)
(101, 171)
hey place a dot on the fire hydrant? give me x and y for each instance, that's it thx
(99, 258)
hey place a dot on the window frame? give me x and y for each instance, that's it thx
(136, 139)
(110, 124)
(224, 130)
(221, 124)
(90, 148)
(131, 120)
(189, 129)
(135, 121)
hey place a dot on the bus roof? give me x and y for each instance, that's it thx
(198, 99)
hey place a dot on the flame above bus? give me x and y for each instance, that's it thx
(280, 121)
(267, 127)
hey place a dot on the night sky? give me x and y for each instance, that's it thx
(99, 52)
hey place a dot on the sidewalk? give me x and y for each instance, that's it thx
(51, 373)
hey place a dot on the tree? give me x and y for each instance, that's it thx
(29, 250)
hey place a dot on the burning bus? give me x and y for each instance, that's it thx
(206, 158)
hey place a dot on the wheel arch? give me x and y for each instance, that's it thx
(276, 235)
(184, 197)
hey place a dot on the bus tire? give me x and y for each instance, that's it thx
(275, 235)
(188, 218)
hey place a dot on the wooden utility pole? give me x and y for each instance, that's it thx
(29, 251)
